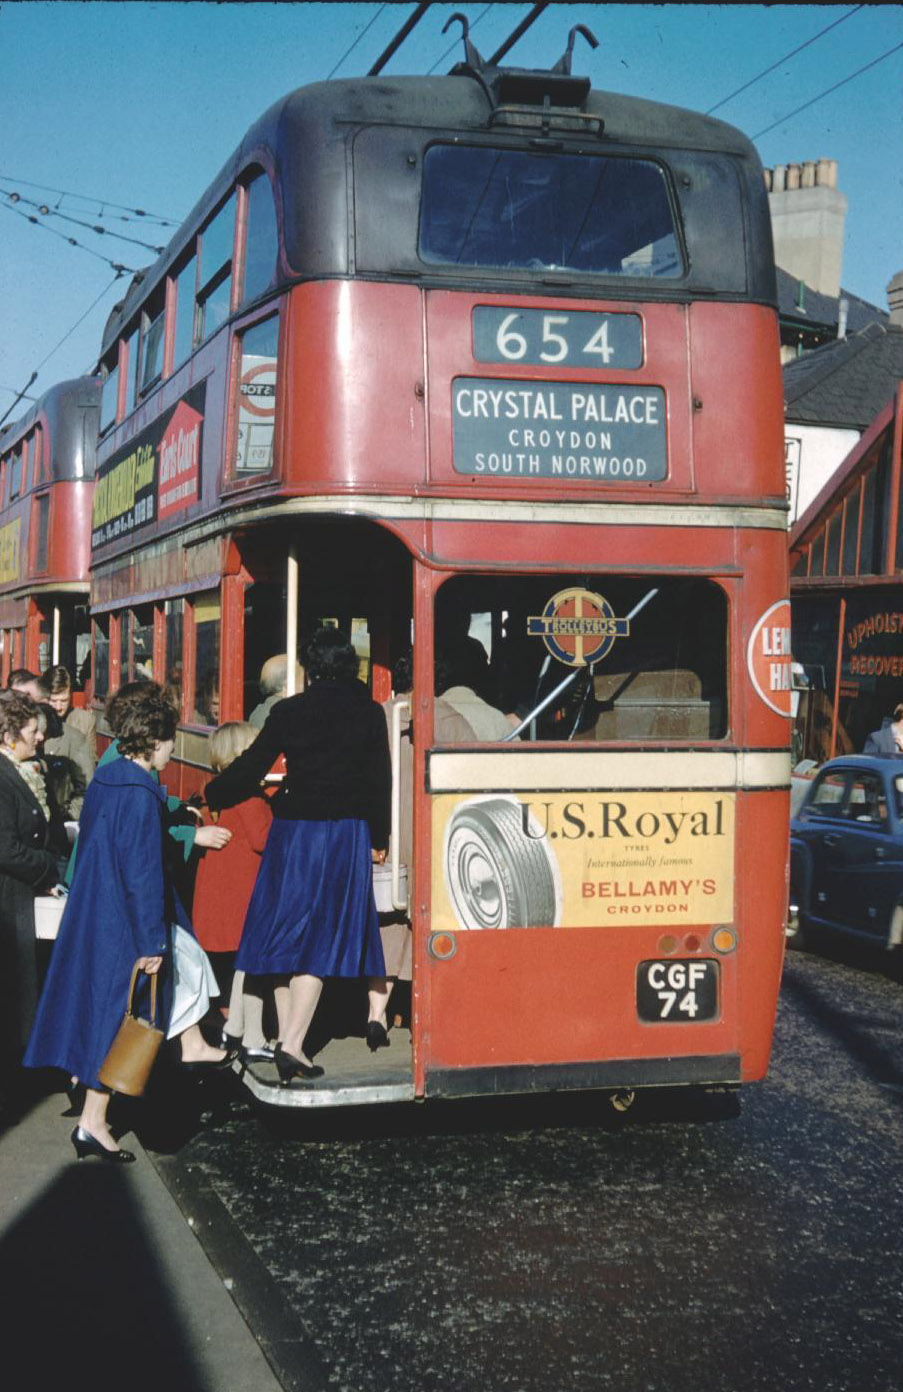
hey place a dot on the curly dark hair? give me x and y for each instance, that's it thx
(140, 714)
(16, 709)
(330, 657)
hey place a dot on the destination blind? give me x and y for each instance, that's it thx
(558, 430)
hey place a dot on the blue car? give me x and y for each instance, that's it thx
(846, 854)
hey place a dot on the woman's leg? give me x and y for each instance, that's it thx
(303, 994)
(195, 1048)
(281, 999)
(379, 989)
(94, 1118)
(237, 1022)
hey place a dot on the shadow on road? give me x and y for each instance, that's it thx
(84, 1296)
(882, 1063)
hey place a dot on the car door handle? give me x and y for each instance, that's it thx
(831, 839)
(879, 852)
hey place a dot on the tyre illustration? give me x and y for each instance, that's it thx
(496, 876)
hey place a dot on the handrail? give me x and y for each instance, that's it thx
(400, 711)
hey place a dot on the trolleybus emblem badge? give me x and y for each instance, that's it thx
(578, 627)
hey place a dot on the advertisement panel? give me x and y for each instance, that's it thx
(9, 551)
(157, 474)
(576, 860)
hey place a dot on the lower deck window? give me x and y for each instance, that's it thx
(206, 663)
(596, 658)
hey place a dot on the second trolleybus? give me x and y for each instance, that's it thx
(489, 358)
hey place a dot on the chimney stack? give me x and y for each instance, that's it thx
(895, 298)
(807, 217)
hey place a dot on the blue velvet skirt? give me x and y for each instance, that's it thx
(312, 909)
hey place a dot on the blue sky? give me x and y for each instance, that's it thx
(140, 104)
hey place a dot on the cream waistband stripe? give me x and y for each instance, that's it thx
(555, 771)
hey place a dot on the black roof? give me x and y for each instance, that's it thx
(799, 303)
(848, 382)
(306, 138)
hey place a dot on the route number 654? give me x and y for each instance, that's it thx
(579, 338)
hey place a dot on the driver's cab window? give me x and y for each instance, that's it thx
(584, 658)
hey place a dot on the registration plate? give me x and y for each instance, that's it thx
(677, 992)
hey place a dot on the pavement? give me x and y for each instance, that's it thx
(103, 1279)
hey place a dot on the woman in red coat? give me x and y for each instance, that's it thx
(223, 887)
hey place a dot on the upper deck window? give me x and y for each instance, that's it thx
(41, 461)
(131, 370)
(256, 399)
(15, 474)
(40, 522)
(215, 279)
(109, 395)
(261, 243)
(152, 339)
(185, 318)
(511, 209)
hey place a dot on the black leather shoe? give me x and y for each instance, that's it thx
(289, 1067)
(377, 1036)
(85, 1144)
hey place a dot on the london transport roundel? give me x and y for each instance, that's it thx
(768, 657)
(578, 627)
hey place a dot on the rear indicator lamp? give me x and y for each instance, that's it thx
(724, 939)
(668, 943)
(442, 946)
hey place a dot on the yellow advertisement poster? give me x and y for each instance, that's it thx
(9, 552)
(574, 860)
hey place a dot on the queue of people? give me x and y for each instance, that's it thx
(283, 884)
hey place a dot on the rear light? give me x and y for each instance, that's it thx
(724, 940)
(441, 946)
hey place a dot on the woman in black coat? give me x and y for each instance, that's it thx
(312, 913)
(28, 866)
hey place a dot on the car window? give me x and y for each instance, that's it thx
(827, 795)
(867, 802)
(898, 794)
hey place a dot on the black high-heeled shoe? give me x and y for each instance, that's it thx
(377, 1036)
(86, 1144)
(213, 1065)
(289, 1067)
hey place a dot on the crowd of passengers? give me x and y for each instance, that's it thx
(278, 871)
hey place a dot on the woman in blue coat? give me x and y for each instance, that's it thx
(120, 911)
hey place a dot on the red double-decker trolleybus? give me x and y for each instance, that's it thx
(46, 488)
(488, 365)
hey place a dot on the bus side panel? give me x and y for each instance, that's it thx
(69, 533)
(355, 412)
(761, 902)
(736, 380)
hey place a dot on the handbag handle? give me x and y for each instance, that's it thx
(153, 994)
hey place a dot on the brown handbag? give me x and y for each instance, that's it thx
(131, 1056)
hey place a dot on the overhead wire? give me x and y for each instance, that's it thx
(158, 218)
(117, 266)
(828, 90)
(353, 45)
(792, 54)
(93, 305)
(68, 334)
(46, 211)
